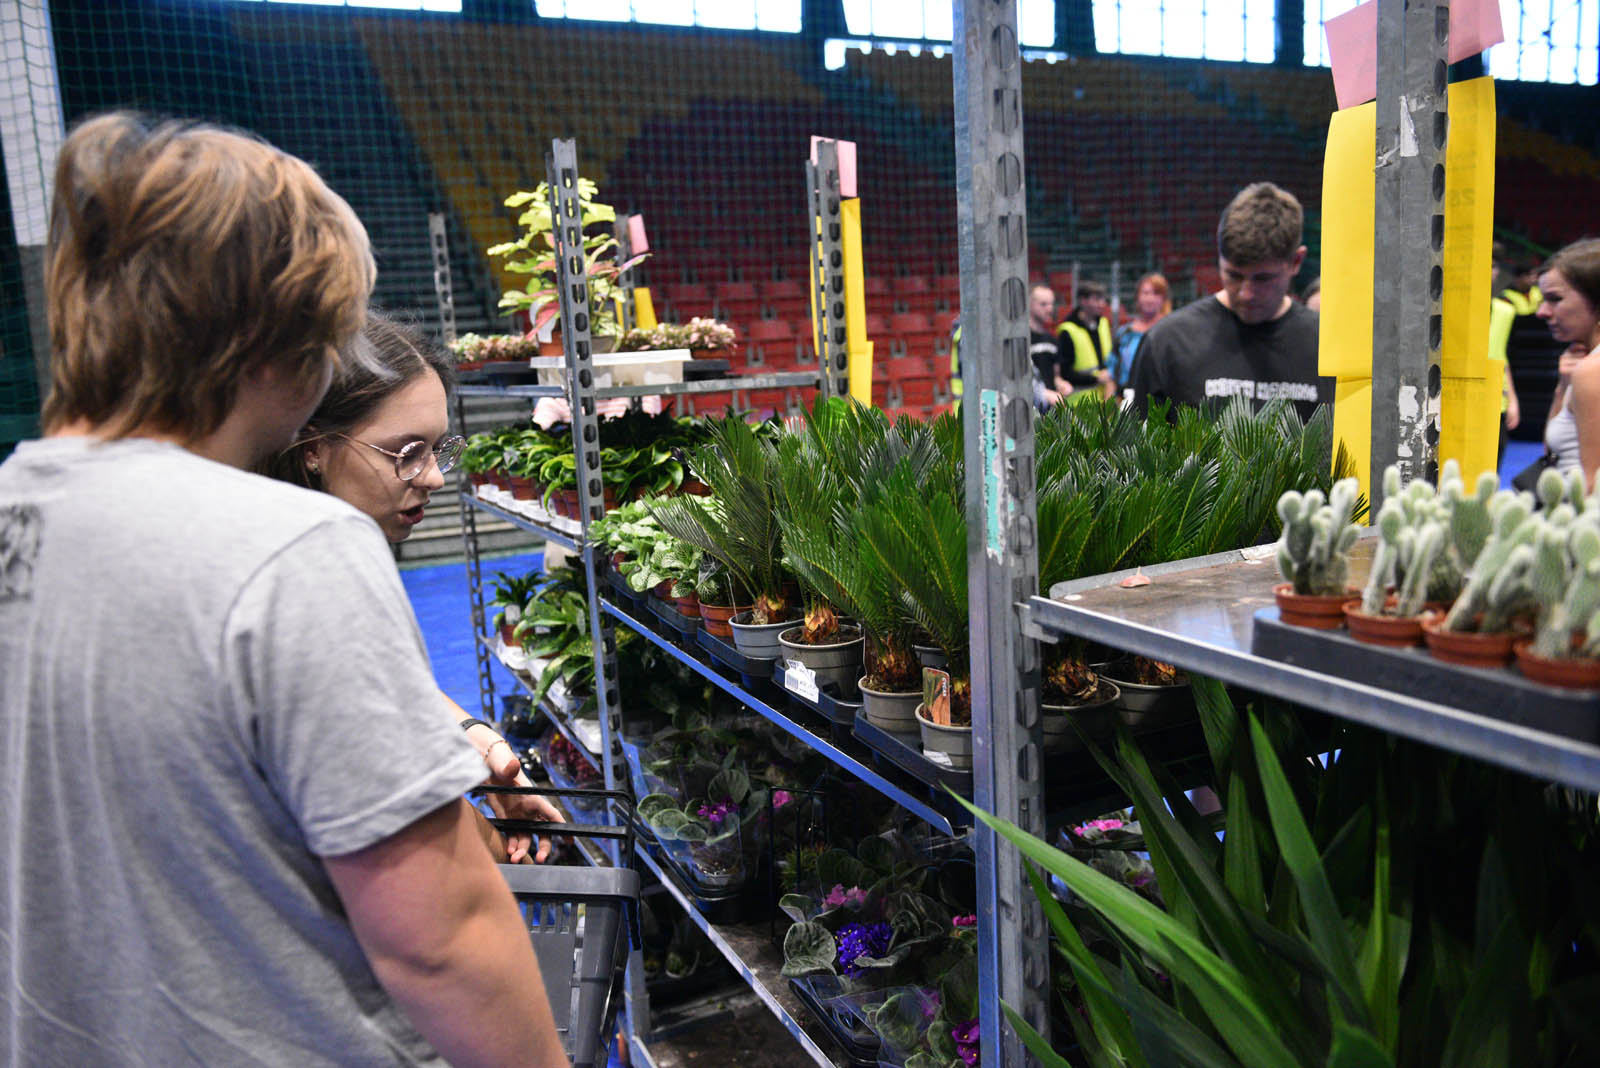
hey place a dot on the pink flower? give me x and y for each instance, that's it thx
(781, 798)
(839, 897)
(964, 921)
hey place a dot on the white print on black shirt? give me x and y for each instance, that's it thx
(1249, 387)
(19, 545)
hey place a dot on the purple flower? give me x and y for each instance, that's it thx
(964, 921)
(781, 798)
(930, 1004)
(715, 814)
(839, 897)
(861, 940)
(966, 1036)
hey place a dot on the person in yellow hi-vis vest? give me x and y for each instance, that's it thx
(1502, 313)
(1086, 336)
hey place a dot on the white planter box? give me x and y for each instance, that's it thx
(655, 368)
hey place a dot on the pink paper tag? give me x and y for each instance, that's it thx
(637, 241)
(1353, 44)
(847, 163)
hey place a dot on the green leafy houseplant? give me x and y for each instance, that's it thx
(512, 594)
(737, 525)
(1395, 906)
(697, 335)
(554, 630)
(533, 254)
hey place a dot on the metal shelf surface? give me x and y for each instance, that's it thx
(776, 380)
(839, 757)
(564, 532)
(759, 963)
(1199, 615)
(550, 709)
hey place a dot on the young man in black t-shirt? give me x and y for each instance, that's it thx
(1251, 338)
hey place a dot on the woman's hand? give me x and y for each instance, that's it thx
(506, 770)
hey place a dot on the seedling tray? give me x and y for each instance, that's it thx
(673, 624)
(826, 702)
(904, 751)
(860, 1045)
(755, 672)
(1501, 694)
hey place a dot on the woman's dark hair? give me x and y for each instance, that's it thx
(1579, 264)
(402, 353)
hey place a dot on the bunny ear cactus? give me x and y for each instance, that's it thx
(1314, 551)
(1385, 558)
(1566, 583)
(1492, 571)
(1424, 548)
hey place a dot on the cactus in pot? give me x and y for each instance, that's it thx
(1314, 551)
(1566, 583)
(1497, 584)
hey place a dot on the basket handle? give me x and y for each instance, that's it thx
(622, 832)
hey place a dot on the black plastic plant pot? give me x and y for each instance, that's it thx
(860, 1045)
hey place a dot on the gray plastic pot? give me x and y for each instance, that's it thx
(953, 742)
(836, 662)
(893, 712)
(1060, 737)
(931, 656)
(757, 639)
(1146, 706)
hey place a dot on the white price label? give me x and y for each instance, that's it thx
(800, 680)
(936, 757)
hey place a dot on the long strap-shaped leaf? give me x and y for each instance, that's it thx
(1221, 988)
(1323, 918)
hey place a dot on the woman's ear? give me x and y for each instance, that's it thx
(314, 457)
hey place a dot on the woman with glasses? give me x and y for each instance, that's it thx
(380, 442)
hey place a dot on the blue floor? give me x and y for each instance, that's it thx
(444, 611)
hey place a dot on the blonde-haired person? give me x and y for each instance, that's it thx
(1152, 302)
(232, 801)
(1570, 287)
(380, 441)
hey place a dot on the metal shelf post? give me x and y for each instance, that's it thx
(827, 271)
(1408, 273)
(1002, 554)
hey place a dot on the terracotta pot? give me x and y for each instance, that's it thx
(477, 478)
(553, 347)
(522, 488)
(1574, 673)
(1397, 632)
(689, 606)
(694, 488)
(1316, 611)
(663, 590)
(569, 502)
(1467, 648)
(616, 561)
(470, 365)
(501, 479)
(716, 618)
(508, 634)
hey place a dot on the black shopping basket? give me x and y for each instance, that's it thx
(582, 919)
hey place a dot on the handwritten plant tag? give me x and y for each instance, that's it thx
(936, 695)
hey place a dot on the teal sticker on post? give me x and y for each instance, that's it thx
(994, 527)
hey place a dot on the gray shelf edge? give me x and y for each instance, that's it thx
(789, 1015)
(1508, 745)
(776, 380)
(549, 533)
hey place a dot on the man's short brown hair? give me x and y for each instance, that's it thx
(182, 256)
(1261, 223)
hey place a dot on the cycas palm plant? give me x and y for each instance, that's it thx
(913, 536)
(825, 473)
(738, 525)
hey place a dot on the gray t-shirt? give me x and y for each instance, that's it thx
(207, 681)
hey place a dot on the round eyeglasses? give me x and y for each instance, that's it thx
(412, 459)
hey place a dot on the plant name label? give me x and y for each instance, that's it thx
(800, 680)
(936, 757)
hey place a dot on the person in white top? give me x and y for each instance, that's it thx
(1570, 285)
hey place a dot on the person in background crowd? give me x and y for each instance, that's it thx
(1251, 338)
(380, 442)
(1570, 304)
(1312, 297)
(1531, 354)
(1087, 340)
(1152, 302)
(1044, 349)
(1501, 317)
(232, 801)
